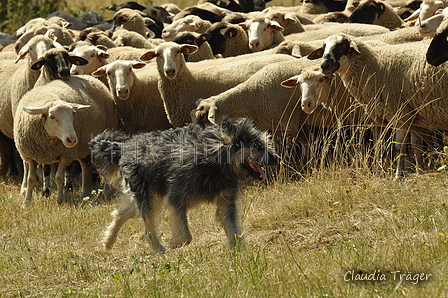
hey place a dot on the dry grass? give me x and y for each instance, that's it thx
(302, 237)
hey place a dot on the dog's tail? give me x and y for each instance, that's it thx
(106, 151)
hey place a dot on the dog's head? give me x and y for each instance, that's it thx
(252, 148)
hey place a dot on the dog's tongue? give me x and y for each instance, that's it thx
(258, 169)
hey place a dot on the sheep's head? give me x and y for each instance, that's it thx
(261, 33)
(169, 57)
(335, 53)
(57, 61)
(120, 76)
(314, 85)
(58, 117)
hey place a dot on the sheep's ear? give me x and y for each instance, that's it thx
(77, 60)
(138, 65)
(188, 49)
(276, 26)
(22, 53)
(229, 32)
(381, 8)
(243, 25)
(39, 63)
(99, 72)
(213, 116)
(316, 54)
(79, 107)
(291, 82)
(43, 110)
(205, 36)
(101, 47)
(290, 18)
(354, 47)
(148, 55)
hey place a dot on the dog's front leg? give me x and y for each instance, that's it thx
(179, 226)
(227, 215)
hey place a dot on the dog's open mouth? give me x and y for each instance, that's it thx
(256, 171)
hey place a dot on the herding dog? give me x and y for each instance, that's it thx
(182, 167)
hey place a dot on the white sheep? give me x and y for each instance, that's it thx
(403, 35)
(134, 39)
(262, 99)
(136, 95)
(129, 19)
(181, 85)
(19, 79)
(394, 83)
(427, 9)
(95, 55)
(263, 33)
(289, 21)
(191, 23)
(47, 129)
(428, 27)
(347, 28)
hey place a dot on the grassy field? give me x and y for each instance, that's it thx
(308, 238)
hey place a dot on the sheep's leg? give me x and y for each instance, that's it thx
(87, 169)
(31, 167)
(24, 186)
(179, 226)
(120, 217)
(60, 174)
(399, 152)
(417, 145)
(227, 215)
(46, 178)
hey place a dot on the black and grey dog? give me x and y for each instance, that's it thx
(182, 167)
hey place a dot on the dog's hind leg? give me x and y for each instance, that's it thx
(227, 215)
(151, 232)
(179, 226)
(120, 217)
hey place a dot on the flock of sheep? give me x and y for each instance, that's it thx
(65, 79)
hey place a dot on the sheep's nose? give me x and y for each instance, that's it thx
(170, 73)
(73, 73)
(307, 107)
(123, 92)
(255, 45)
(64, 74)
(71, 141)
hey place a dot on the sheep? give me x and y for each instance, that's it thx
(318, 89)
(101, 38)
(181, 85)
(47, 129)
(334, 16)
(95, 55)
(313, 7)
(125, 53)
(347, 28)
(263, 33)
(190, 23)
(129, 19)
(16, 81)
(202, 13)
(394, 84)
(228, 40)
(56, 64)
(171, 8)
(136, 96)
(289, 21)
(404, 35)
(270, 106)
(437, 52)
(376, 12)
(428, 27)
(159, 13)
(133, 39)
(204, 51)
(427, 9)
(298, 49)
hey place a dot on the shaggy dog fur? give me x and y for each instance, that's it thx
(182, 167)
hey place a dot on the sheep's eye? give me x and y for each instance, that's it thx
(321, 80)
(52, 117)
(92, 55)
